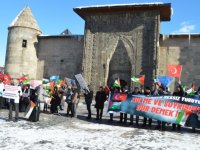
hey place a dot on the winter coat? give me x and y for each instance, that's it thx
(88, 97)
(100, 98)
(19, 93)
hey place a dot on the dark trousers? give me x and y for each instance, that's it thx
(2, 102)
(99, 116)
(137, 120)
(70, 108)
(89, 109)
(11, 105)
(174, 126)
(131, 119)
(45, 107)
(111, 116)
(145, 121)
(123, 116)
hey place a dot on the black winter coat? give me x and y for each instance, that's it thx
(100, 99)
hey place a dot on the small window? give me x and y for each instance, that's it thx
(24, 43)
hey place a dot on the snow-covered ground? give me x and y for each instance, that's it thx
(63, 133)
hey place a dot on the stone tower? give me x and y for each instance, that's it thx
(21, 57)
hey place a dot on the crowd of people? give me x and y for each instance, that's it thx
(54, 100)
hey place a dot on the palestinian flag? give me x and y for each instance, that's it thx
(117, 83)
(27, 81)
(32, 105)
(138, 80)
(191, 92)
(114, 106)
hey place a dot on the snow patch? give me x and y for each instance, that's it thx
(111, 5)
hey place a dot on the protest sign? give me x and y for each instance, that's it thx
(70, 82)
(81, 82)
(35, 83)
(10, 91)
(171, 109)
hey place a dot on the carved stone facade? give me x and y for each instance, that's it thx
(120, 45)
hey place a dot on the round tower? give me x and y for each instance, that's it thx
(21, 51)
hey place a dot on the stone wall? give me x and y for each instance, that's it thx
(60, 55)
(138, 32)
(184, 50)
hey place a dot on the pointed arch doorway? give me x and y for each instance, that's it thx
(120, 66)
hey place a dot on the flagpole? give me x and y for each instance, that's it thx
(180, 77)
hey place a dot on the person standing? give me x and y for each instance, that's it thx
(135, 92)
(178, 92)
(55, 101)
(88, 100)
(15, 103)
(100, 98)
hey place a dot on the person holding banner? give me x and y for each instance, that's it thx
(15, 103)
(178, 92)
(135, 92)
(147, 92)
(100, 98)
(122, 114)
(2, 100)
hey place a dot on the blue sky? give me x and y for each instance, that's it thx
(54, 16)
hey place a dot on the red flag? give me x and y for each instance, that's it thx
(193, 87)
(120, 96)
(1, 76)
(6, 79)
(141, 79)
(107, 90)
(174, 70)
(23, 78)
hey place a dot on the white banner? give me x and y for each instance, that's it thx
(81, 81)
(11, 91)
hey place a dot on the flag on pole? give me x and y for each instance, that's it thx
(6, 79)
(32, 105)
(117, 83)
(23, 78)
(174, 70)
(165, 80)
(27, 81)
(107, 90)
(54, 78)
(139, 80)
(191, 91)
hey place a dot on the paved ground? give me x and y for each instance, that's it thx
(63, 133)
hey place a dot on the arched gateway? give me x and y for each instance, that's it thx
(121, 41)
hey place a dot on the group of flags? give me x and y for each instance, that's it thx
(173, 71)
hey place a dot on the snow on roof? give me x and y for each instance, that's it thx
(111, 5)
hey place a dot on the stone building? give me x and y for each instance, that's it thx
(120, 41)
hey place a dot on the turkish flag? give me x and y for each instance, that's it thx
(6, 79)
(174, 70)
(120, 96)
